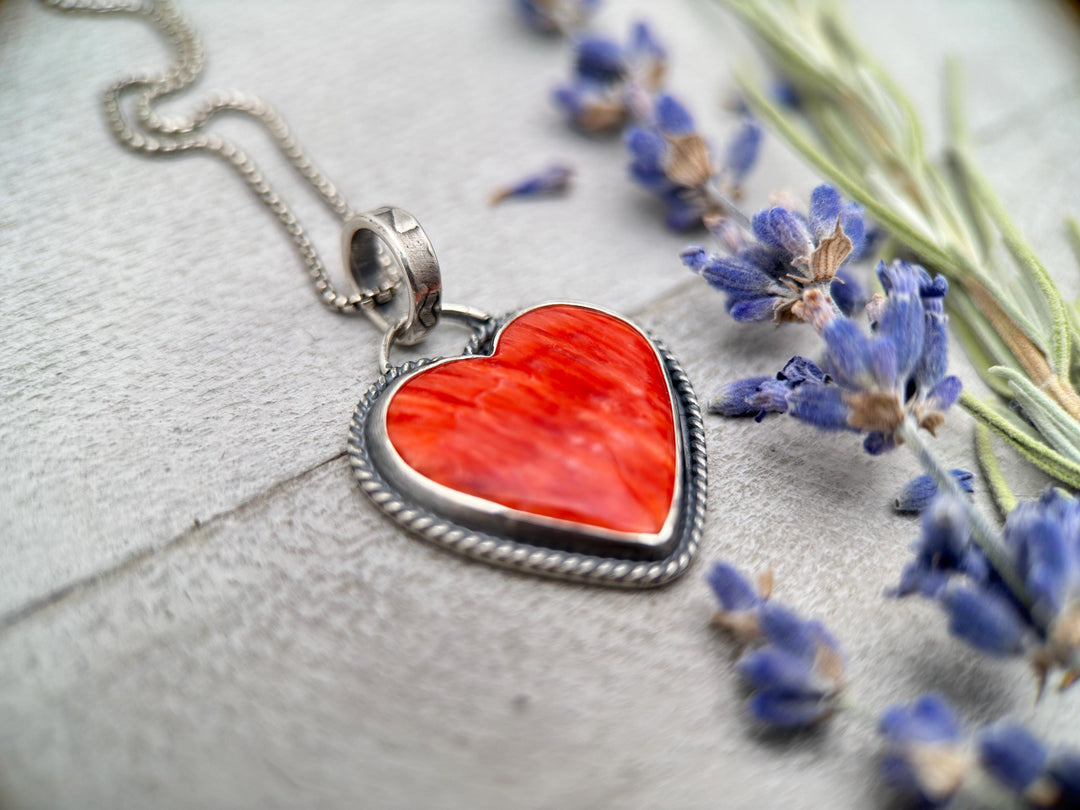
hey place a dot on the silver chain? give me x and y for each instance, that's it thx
(156, 135)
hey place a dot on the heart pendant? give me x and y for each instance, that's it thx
(564, 442)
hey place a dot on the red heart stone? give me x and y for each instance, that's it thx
(570, 418)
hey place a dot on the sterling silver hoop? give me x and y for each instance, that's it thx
(388, 245)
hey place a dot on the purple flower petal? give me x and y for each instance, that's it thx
(945, 394)
(753, 309)
(644, 44)
(682, 215)
(742, 150)
(784, 231)
(732, 589)
(1048, 559)
(647, 148)
(787, 630)
(820, 405)
(902, 320)
(552, 180)
(1064, 770)
(884, 363)
(877, 443)
(853, 221)
(672, 117)
(771, 667)
(930, 719)
(599, 58)
(847, 293)
(848, 353)
(985, 620)
(1012, 755)
(801, 369)
(824, 210)
(734, 398)
(921, 490)
(927, 729)
(731, 274)
(770, 397)
(787, 710)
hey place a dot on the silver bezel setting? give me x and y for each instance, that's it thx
(485, 531)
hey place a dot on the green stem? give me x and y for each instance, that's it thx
(988, 463)
(1040, 408)
(956, 130)
(983, 345)
(1072, 230)
(1029, 447)
(1061, 339)
(897, 226)
(987, 537)
(958, 139)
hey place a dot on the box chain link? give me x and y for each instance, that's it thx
(156, 135)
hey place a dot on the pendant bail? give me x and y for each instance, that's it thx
(388, 244)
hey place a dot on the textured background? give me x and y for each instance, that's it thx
(197, 607)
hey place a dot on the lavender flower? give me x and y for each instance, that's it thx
(921, 490)
(1042, 542)
(1063, 771)
(760, 396)
(926, 752)
(556, 16)
(869, 383)
(797, 675)
(929, 755)
(790, 254)
(944, 549)
(1012, 755)
(785, 93)
(739, 601)
(671, 159)
(847, 292)
(780, 90)
(794, 666)
(555, 179)
(735, 397)
(612, 82)
(949, 568)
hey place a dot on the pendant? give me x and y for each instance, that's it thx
(563, 441)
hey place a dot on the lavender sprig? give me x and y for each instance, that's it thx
(919, 492)
(612, 83)
(792, 665)
(555, 179)
(890, 384)
(670, 158)
(947, 215)
(556, 16)
(787, 255)
(795, 673)
(872, 383)
(1042, 548)
(930, 756)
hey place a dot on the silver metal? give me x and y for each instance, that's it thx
(383, 247)
(470, 316)
(387, 251)
(153, 134)
(478, 528)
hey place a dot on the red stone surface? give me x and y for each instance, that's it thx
(570, 418)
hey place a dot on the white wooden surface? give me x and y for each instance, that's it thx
(197, 607)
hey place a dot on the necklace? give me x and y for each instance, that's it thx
(562, 441)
